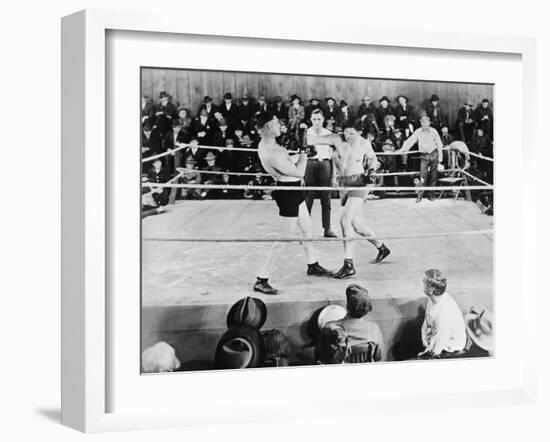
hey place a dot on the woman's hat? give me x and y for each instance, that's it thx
(330, 313)
(479, 327)
(248, 311)
(384, 98)
(242, 346)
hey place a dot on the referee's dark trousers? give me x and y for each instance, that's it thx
(318, 173)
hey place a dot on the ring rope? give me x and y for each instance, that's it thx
(218, 172)
(320, 239)
(482, 157)
(316, 188)
(170, 181)
(475, 178)
(246, 149)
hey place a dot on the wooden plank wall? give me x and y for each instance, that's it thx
(188, 87)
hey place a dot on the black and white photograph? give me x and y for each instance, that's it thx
(304, 220)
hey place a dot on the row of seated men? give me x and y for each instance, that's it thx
(230, 124)
(338, 335)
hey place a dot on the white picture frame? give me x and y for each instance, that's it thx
(85, 202)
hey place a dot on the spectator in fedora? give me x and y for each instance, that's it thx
(166, 107)
(296, 114)
(383, 110)
(366, 107)
(465, 123)
(203, 128)
(333, 346)
(314, 103)
(242, 346)
(147, 110)
(404, 116)
(151, 141)
(279, 108)
(433, 111)
(191, 177)
(443, 329)
(333, 116)
(185, 122)
(221, 133)
(157, 174)
(229, 110)
(246, 109)
(261, 105)
(483, 117)
(209, 105)
(159, 358)
(479, 328)
(194, 152)
(346, 113)
(364, 335)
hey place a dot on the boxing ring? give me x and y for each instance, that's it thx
(200, 257)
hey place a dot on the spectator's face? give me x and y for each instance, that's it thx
(147, 133)
(211, 161)
(402, 101)
(225, 178)
(204, 112)
(182, 114)
(164, 101)
(314, 103)
(367, 100)
(480, 132)
(261, 99)
(425, 123)
(229, 143)
(218, 115)
(485, 105)
(223, 127)
(157, 164)
(434, 103)
(384, 104)
(317, 120)
(351, 134)
(194, 143)
(283, 128)
(239, 133)
(397, 135)
(445, 131)
(331, 103)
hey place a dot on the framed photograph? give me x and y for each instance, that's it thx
(271, 211)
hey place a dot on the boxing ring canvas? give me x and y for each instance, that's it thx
(130, 282)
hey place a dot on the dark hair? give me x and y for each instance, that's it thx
(263, 118)
(357, 125)
(317, 112)
(333, 345)
(437, 281)
(358, 301)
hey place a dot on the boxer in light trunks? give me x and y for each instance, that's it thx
(292, 207)
(351, 157)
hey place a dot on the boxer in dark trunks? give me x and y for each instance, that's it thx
(291, 203)
(351, 158)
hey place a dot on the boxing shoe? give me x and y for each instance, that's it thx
(347, 270)
(264, 287)
(330, 234)
(316, 269)
(383, 252)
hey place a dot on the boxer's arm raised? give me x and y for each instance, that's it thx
(333, 139)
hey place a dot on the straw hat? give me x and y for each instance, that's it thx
(479, 327)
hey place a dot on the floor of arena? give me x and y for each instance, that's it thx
(176, 273)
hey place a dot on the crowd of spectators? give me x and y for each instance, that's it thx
(341, 335)
(167, 124)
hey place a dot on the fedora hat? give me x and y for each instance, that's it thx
(210, 156)
(248, 311)
(384, 98)
(479, 327)
(242, 346)
(206, 99)
(434, 98)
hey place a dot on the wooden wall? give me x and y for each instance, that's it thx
(188, 87)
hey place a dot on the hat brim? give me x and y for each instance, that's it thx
(252, 336)
(257, 322)
(332, 312)
(483, 341)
